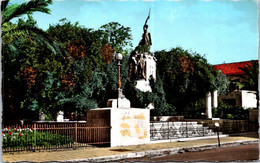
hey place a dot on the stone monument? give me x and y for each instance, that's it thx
(129, 126)
(143, 63)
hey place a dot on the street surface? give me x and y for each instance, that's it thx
(238, 153)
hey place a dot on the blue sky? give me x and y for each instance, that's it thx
(222, 30)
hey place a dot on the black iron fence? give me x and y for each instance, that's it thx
(54, 135)
(233, 126)
(173, 130)
(197, 128)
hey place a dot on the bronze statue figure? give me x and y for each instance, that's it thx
(133, 65)
(146, 38)
(137, 61)
(137, 66)
(141, 67)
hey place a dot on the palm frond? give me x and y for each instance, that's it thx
(251, 75)
(15, 10)
(4, 4)
(40, 37)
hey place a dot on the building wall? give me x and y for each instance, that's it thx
(248, 99)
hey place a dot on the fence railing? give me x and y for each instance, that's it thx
(233, 126)
(197, 128)
(54, 135)
(173, 130)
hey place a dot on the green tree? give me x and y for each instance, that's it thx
(221, 83)
(92, 78)
(81, 44)
(30, 57)
(116, 35)
(230, 112)
(31, 77)
(186, 77)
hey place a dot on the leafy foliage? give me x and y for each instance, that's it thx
(251, 78)
(28, 27)
(81, 76)
(116, 35)
(107, 53)
(25, 62)
(31, 138)
(71, 68)
(221, 83)
(186, 76)
(156, 97)
(230, 112)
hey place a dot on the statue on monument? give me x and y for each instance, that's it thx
(137, 66)
(138, 61)
(141, 66)
(146, 37)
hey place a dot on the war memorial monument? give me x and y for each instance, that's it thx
(129, 126)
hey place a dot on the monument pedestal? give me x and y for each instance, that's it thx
(128, 126)
(143, 85)
(120, 102)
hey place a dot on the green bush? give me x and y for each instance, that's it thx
(31, 138)
(226, 111)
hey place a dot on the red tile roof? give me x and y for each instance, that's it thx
(232, 68)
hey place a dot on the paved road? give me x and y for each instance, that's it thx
(238, 153)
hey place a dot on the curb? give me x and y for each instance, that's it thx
(187, 139)
(161, 152)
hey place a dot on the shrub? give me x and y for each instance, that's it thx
(26, 137)
(230, 112)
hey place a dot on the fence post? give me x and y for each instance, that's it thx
(187, 130)
(76, 136)
(35, 130)
(168, 130)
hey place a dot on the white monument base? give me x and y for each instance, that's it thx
(143, 85)
(121, 102)
(128, 126)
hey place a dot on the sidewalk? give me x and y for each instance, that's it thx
(97, 154)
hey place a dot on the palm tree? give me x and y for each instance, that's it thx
(251, 78)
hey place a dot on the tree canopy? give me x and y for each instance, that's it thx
(186, 77)
(71, 68)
